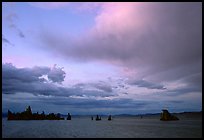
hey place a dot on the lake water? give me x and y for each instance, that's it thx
(120, 127)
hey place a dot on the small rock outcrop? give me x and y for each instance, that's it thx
(166, 116)
(69, 116)
(109, 118)
(98, 118)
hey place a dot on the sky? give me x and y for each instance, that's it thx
(102, 57)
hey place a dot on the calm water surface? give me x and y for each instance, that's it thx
(122, 127)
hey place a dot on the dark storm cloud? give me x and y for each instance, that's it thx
(56, 74)
(166, 47)
(30, 80)
(24, 79)
(10, 72)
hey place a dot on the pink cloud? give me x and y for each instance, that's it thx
(119, 18)
(148, 38)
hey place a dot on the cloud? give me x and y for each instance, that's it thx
(157, 41)
(56, 74)
(30, 80)
(11, 18)
(20, 33)
(144, 83)
(23, 74)
(181, 91)
(92, 103)
(25, 79)
(23, 86)
(73, 105)
(6, 41)
(103, 86)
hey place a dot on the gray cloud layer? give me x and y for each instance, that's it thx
(30, 80)
(56, 74)
(76, 105)
(18, 84)
(143, 83)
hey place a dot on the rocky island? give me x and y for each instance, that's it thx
(166, 116)
(28, 115)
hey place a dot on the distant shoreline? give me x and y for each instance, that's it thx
(187, 114)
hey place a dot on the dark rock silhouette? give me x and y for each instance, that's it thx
(69, 117)
(109, 118)
(91, 117)
(98, 118)
(10, 116)
(28, 115)
(166, 116)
